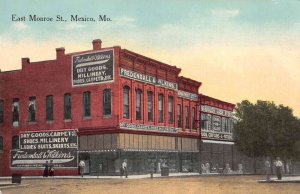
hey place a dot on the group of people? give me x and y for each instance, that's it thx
(278, 168)
(48, 169)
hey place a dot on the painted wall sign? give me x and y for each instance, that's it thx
(167, 84)
(40, 146)
(216, 135)
(137, 76)
(93, 68)
(133, 126)
(187, 95)
(217, 111)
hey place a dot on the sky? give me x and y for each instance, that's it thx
(238, 49)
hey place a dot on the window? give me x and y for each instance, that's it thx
(107, 102)
(138, 107)
(208, 121)
(170, 109)
(194, 118)
(203, 121)
(126, 102)
(32, 109)
(15, 142)
(49, 108)
(226, 125)
(179, 116)
(16, 112)
(87, 104)
(223, 124)
(160, 108)
(1, 111)
(67, 106)
(187, 117)
(1, 143)
(150, 106)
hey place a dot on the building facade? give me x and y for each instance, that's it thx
(104, 106)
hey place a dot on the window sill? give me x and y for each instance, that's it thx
(68, 120)
(31, 122)
(87, 118)
(106, 116)
(49, 122)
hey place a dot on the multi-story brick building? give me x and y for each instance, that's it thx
(103, 106)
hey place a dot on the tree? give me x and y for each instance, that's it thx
(265, 129)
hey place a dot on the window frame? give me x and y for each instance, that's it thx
(160, 108)
(49, 108)
(107, 102)
(126, 107)
(86, 104)
(68, 106)
(32, 109)
(187, 117)
(170, 109)
(150, 102)
(179, 115)
(138, 104)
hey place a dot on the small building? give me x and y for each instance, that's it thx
(104, 106)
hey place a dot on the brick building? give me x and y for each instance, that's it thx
(106, 105)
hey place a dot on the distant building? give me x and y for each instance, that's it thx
(106, 105)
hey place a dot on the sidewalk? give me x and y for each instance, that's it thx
(287, 179)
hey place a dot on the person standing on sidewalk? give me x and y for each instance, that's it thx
(46, 169)
(267, 169)
(81, 166)
(278, 165)
(51, 168)
(124, 166)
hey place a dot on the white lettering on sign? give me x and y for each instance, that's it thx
(217, 111)
(133, 126)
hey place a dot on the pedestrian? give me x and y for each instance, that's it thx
(124, 166)
(267, 169)
(278, 165)
(81, 166)
(51, 168)
(46, 169)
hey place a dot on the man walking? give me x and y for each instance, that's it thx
(81, 166)
(278, 165)
(124, 166)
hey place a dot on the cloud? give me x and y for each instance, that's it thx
(225, 13)
(20, 26)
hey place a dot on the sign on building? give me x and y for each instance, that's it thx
(93, 68)
(37, 147)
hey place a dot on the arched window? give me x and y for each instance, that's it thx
(126, 101)
(179, 116)
(194, 118)
(32, 109)
(170, 109)
(187, 117)
(67, 106)
(138, 105)
(107, 102)
(16, 110)
(15, 142)
(1, 143)
(150, 105)
(87, 104)
(49, 108)
(161, 108)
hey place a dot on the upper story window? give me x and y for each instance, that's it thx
(15, 142)
(161, 108)
(87, 104)
(208, 121)
(67, 106)
(203, 121)
(16, 110)
(223, 124)
(107, 102)
(187, 117)
(49, 108)
(226, 125)
(170, 109)
(1, 111)
(138, 107)
(1, 143)
(179, 115)
(32, 109)
(126, 100)
(194, 118)
(150, 105)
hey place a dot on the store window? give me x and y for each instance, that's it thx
(15, 142)
(194, 118)
(32, 109)
(179, 116)
(170, 109)
(49, 108)
(1, 143)
(1, 111)
(107, 102)
(138, 105)
(150, 105)
(187, 117)
(160, 108)
(67, 106)
(126, 100)
(87, 104)
(16, 112)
